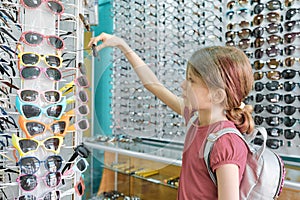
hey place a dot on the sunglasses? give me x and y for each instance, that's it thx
(29, 110)
(32, 59)
(270, 5)
(32, 96)
(272, 51)
(290, 49)
(26, 146)
(80, 166)
(272, 17)
(31, 164)
(242, 44)
(80, 187)
(276, 98)
(29, 182)
(271, 121)
(33, 72)
(32, 38)
(290, 37)
(290, 134)
(272, 64)
(243, 34)
(55, 6)
(242, 24)
(33, 128)
(276, 75)
(83, 96)
(53, 195)
(290, 61)
(275, 85)
(80, 81)
(271, 40)
(275, 109)
(291, 13)
(290, 25)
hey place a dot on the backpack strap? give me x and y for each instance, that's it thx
(213, 137)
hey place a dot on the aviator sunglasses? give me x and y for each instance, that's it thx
(55, 6)
(32, 38)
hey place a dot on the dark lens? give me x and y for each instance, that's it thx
(58, 127)
(258, 31)
(258, 8)
(29, 165)
(244, 33)
(258, 19)
(288, 73)
(258, 75)
(272, 51)
(274, 121)
(32, 3)
(289, 25)
(53, 74)
(83, 109)
(82, 151)
(83, 96)
(52, 144)
(35, 128)
(52, 195)
(291, 13)
(274, 28)
(230, 35)
(28, 182)
(289, 50)
(53, 179)
(56, 42)
(30, 59)
(273, 16)
(55, 7)
(289, 86)
(274, 132)
(52, 96)
(289, 121)
(54, 111)
(288, 98)
(259, 42)
(258, 86)
(288, 3)
(81, 165)
(290, 37)
(258, 109)
(53, 163)
(259, 53)
(274, 109)
(289, 110)
(274, 40)
(258, 120)
(82, 81)
(273, 5)
(258, 65)
(273, 143)
(273, 85)
(259, 98)
(27, 197)
(29, 95)
(273, 97)
(83, 124)
(82, 68)
(289, 61)
(33, 38)
(290, 134)
(53, 61)
(30, 72)
(273, 63)
(80, 189)
(30, 111)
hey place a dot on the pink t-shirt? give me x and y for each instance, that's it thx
(195, 182)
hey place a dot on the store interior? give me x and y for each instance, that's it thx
(96, 129)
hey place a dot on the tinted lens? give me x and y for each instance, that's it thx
(273, 85)
(289, 110)
(28, 182)
(274, 121)
(258, 8)
(81, 165)
(83, 96)
(289, 86)
(52, 144)
(273, 143)
(258, 31)
(56, 42)
(274, 40)
(32, 3)
(29, 165)
(27, 197)
(274, 132)
(258, 65)
(289, 121)
(244, 33)
(290, 134)
(82, 81)
(259, 98)
(288, 73)
(82, 68)
(52, 195)
(55, 6)
(58, 127)
(288, 98)
(273, 63)
(258, 86)
(35, 128)
(273, 16)
(53, 61)
(273, 75)
(290, 37)
(33, 38)
(258, 120)
(259, 53)
(80, 189)
(52, 96)
(30, 59)
(273, 5)
(259, 42)
(53, 74)
(244, 43)
(272, 51)
(53, 179)
(291, 13)
(290, 25)
(274, 109)
(258, 109)
(289, 50)
(30, 72)
(273, 97)
(258, 19)
(29, 95)
(53, 163)
(83, 124)
(31, 111)
(289, 61)
(54, 111)
(274, 28)
(82, 151)
(83, 109)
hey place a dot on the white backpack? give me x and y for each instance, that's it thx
(264, 174)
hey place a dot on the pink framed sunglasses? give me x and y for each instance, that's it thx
(54, 6)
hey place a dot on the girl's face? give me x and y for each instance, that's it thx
(195, 92)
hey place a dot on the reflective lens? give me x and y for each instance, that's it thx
(34, 39)
(55, 6)
(30, 95)
(32, 59)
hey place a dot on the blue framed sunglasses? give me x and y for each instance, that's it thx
(30, 111)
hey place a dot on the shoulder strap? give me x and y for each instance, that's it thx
(192, 119)
(215, 136)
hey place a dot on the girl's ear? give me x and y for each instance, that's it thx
(218, 96)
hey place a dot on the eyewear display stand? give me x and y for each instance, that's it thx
(165, 33)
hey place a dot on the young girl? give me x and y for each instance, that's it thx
(217, 81)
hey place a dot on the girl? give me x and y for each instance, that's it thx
(217, 81)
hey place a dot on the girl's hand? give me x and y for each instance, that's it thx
(107, 41)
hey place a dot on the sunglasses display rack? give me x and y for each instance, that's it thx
(43, 100)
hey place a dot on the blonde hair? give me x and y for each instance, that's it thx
(227, 68)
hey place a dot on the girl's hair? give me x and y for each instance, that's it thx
(227, 68)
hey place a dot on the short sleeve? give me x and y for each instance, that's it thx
(229, 149)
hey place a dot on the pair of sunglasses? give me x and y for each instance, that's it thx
(32, 59)
(33, 128)
(32, 96)
(26, 146)
(53, 195)
(32, 38)
(30, 110)
(54, 6)
(33, 72)
(31, 164)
